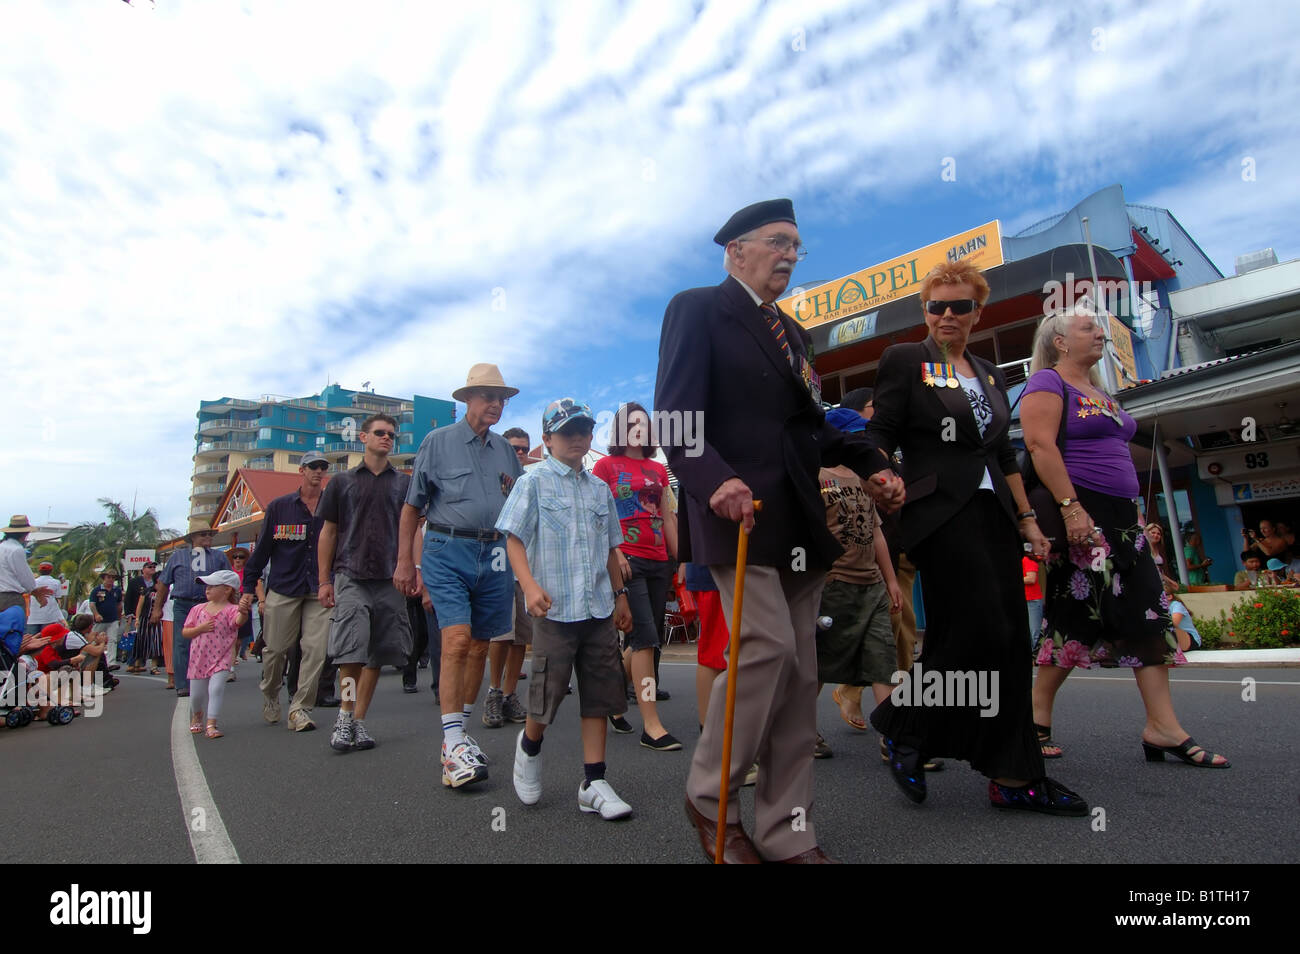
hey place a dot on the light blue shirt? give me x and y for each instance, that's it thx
(566, 521)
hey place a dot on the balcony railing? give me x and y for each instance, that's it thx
(355, 447)
(259, 465)
(212, 446)
(203, 490)
(211, 469)
(203, 510)
(338, 468)
(224, 424)
(379, 407)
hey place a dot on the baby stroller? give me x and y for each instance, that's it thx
(15, 681)
(11, 638)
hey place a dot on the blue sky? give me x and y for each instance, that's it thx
(207, 199)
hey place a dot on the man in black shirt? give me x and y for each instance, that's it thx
(293, 615)
(369, 629)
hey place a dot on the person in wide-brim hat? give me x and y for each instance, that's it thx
(484, 376)
(19, 523)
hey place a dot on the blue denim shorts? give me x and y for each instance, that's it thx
(470, 583)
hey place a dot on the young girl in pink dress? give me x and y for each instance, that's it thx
(212, 628)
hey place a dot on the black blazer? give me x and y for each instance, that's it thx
(718, 360)
(941, 476)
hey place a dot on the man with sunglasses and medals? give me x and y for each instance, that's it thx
(462, 475)
(962, 525)
(292, 613)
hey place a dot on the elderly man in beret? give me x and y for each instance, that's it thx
(730, 360)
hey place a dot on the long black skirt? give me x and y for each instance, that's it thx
(148, 636)
(968, 696)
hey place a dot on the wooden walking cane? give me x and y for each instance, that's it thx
(733, 651)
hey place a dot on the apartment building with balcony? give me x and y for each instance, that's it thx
(274, 432)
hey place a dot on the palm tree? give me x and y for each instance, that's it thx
(88, 548)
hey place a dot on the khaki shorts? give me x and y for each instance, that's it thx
(589, 647)
(369, 624)
(521, 634)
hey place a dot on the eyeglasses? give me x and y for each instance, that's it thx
(491, 397)
(782, 244)
(380, 432)
(959, 306)
(319, 465)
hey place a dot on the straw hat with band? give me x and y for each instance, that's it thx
(483, 376)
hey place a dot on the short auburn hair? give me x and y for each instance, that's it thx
(961, 272)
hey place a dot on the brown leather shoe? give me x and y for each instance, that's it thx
(737, 849)
(813, 856)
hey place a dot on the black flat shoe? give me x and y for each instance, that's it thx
(1046, 796)
(930, 765)
(906, 766)
(1188, 751)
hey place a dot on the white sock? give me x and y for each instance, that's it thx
(453, 729)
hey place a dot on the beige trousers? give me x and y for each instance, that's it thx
(776, 710)
(286, 619)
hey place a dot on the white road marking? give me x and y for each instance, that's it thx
(211, 843)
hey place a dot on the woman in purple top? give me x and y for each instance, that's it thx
(1104, 604)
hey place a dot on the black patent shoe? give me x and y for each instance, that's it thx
(1045, 795)
(906, 765)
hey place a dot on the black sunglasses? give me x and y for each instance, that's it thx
(379, 432)
(319, 465)
(959, 306)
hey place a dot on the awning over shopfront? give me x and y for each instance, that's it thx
(1030, 277)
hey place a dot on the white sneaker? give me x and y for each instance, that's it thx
(459, 767)
(528, 773)
(600, 797)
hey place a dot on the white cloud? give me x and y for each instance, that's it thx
(204, 200)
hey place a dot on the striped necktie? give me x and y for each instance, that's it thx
(778, 330)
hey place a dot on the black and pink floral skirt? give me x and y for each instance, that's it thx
(1104, 604)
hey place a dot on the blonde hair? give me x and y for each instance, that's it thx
(960, 272)
(1046, 354)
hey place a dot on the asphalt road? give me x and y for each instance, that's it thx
(287, 797)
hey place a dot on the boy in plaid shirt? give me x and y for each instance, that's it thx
(563, 534)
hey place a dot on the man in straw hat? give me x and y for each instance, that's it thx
(16, 578)
(733, 362)
(462, 476)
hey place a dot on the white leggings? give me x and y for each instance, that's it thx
(206, 698)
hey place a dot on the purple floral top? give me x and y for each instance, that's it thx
(1097, 434)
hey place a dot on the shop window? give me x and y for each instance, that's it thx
(1016, 343)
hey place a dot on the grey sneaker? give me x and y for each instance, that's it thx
(344, 736)
(361, 739)
(492, 717)
(513, 709)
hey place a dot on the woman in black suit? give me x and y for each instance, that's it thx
(947, 411)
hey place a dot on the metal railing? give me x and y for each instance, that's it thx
(211, 446)
(355, 447)
(259, 465)
(202, 510)
(211, 469)
(226, 424)
(203, 490)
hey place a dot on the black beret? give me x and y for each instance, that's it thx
(754, 216)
